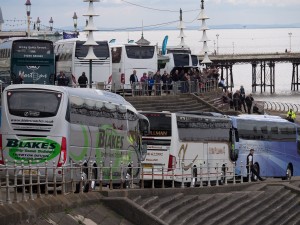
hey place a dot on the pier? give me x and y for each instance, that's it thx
(263, 68)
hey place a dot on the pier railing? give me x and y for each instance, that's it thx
(281, 106)
(21, 183)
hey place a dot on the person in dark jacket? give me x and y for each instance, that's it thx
(82, 80)
(250, 166)
(249, 101)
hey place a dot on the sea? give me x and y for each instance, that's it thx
(232, 41)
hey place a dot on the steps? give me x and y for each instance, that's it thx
(255, 204)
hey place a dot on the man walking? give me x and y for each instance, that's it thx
(250, 167)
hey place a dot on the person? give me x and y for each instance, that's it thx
(222, 84)
(62, 79)
(236, 100)
(256, 109)
(291, 115)
(82, 80)
(133, 77)
(249, 101)
(242, 97)
(134, 82)
(157, 84)
(144, 81)
(250, 166)
(150, 83)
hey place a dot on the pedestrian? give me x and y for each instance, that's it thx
(62, 79)
(249, 101)
(82, 80)
(291, 115)
(150, 83)
(251, 172)
(144, 82)
(134, 82)
(157, 83)
(236, 100)
(222, 84)
(242, 98)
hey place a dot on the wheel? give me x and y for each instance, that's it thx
(194, 178)
(289, 172)
(256, 168)
(86, 185)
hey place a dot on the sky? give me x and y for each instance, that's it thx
(115, 14)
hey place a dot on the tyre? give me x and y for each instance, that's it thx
(86, 184)
(289, 172)
(256, 168)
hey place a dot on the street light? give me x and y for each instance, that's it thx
(28, 8)
(51, 23)
(38, 24)
(217, 43)
(75, 21)
(290, 35)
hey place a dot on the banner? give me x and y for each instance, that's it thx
(69, 35)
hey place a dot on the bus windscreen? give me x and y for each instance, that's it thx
(160, 124)
(33, 103)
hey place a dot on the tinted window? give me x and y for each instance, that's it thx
(101, 50)
(33, 103)
(160, 124)
(181, 59)
(193, 128)
(116, 53)
(194, 60)
(139, 52)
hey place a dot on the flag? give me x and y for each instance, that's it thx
(69, 35)
(164, 45)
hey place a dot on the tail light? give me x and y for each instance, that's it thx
(1, 151)
(172, 163)
(122, 78)
(63, 152)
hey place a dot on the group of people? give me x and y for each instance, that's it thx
(63, 80)
(239, 101)
(188, 79)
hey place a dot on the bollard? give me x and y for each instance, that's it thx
(142, 181)
(81, 177)
(226, 168)
(54, 179)
(122, 175)
(131, 175)
(110, 176)
(162, 176)
(91, 179)
(7, 182)
(182, 173)
(15, 182)
(233, 169)
(101, 176)
(152, 176)
(241, 172)
(63, 185)
(1, 201)
(208, 175)
(217, 178)
(38, 182)
(46, 178)
(30, 181)
(201, 181)
(23, 182)
(173, 179)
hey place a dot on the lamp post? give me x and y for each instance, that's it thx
(51, 23)
(38, 23)
(75, 21)
(217, 43)
(28, 8)
(290, 35)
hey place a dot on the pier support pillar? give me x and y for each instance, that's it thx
(227, 69)
(264, 77)
(295, 77)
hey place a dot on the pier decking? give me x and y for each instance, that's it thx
(263, 68)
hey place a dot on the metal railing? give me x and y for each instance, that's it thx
(22, 183)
